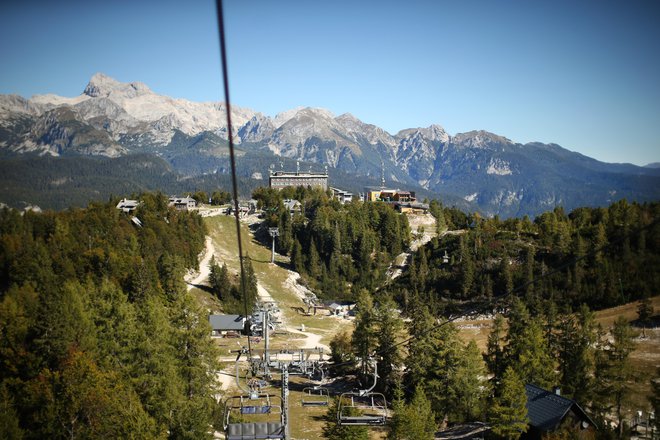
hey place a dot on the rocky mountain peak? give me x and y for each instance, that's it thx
(480, 139)
(101, 85)
(434, 132)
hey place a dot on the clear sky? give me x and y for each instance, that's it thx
(584, 74)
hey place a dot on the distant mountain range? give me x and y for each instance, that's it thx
(477, 170)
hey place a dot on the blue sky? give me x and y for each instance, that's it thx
(584, 74)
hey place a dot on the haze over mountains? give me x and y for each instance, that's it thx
(487, 171)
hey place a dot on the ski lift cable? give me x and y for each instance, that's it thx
(488, 305)
(232, 156)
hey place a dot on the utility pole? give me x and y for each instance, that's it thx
(274, 232)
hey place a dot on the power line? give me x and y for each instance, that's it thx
(232, 156)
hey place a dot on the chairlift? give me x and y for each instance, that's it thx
(253, 416)
(363, 407)
(315, 396)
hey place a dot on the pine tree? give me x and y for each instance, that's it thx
(508, 412)
(399, 420)
(613, 372)
(467, 388)
(314, 262)
(171, 270)
(421, 420)
(577, 336)
(529, 355)
(467, 268)
(196, 360)
(9, 422)
(420, 348)
(364, 336)
(389, 326)
(249, 284)
(494, 356)
(297, 260)
(644, 313)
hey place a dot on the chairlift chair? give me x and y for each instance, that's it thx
(362, 409)
(315, 396)
(259, 417)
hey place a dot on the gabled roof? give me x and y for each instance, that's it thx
(227, 322)
(291, 204)
(546, 410)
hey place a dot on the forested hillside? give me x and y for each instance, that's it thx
(595, 256)
(98, 337)
(338, 249)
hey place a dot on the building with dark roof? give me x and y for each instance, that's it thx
(549, 411)
(224, 323)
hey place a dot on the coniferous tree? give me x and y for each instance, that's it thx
(414, 421)
(219, 280)
(494, 356)
(196, 360)
(614, 375)
(577, 336)
(297, 258)
(467, 268)
(644, 312)
(314, 262)
(9, 421)
(364, 336)
(389, 327)
(249, 284)
(421, 347)
(508, 411)
(468, 388)
(529, 355)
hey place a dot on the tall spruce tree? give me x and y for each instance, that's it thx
(508, 411)
(576, 354)
(390, 361)
(413, 421)
(364, 339)
(614, 375)
(468, 387)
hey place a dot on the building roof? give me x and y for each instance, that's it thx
(546, 409)
(127, 205)
(181, 200)
(227, 322)
(291, 204)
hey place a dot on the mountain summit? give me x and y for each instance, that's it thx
(489, 171)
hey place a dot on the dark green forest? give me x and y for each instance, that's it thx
(338, 249)
(539, 278)
(594, 256)
(98, 336)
